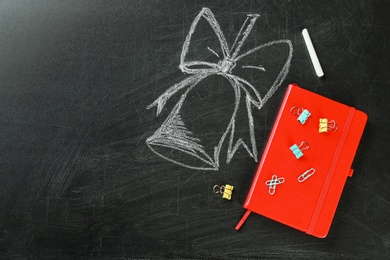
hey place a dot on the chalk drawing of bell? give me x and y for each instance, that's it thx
(213, 109)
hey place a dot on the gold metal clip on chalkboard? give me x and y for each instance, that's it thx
(225, 190)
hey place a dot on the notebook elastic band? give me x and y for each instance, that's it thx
(331, 171)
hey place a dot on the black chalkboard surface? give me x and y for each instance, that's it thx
(113, 134)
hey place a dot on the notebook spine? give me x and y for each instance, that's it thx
(243, 219)
(267, 147)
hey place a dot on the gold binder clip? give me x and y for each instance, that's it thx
(325, 125)
(225, 190)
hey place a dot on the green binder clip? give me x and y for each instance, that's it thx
(297, 150)
(303, 114)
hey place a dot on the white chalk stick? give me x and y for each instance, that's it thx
(312, 53)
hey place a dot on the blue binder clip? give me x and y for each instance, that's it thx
(303, 114)
(297, 150)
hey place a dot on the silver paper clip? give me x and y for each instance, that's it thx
(273, 182)
(225, 190)
(304, 176)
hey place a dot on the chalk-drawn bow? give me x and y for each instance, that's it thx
(174, 134)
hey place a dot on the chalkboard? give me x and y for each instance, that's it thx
(114, 133)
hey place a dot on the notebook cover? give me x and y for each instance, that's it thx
(308, 206)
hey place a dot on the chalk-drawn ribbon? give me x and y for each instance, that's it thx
(174, 134)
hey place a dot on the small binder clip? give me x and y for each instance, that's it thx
(304, 176)
(225, 190)
(273, 182)
(297, 150)
(325, 125)
(303, 114)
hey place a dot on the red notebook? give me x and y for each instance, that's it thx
(303, 169)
